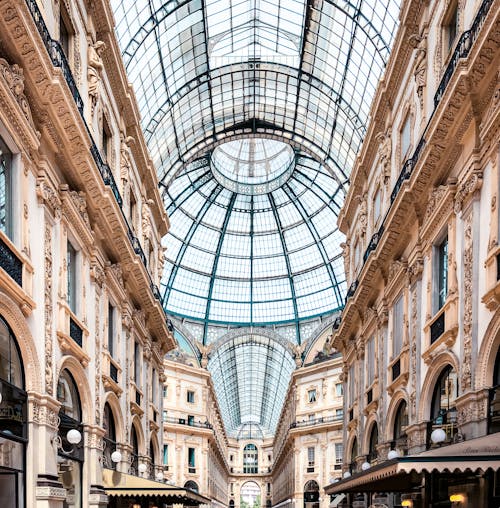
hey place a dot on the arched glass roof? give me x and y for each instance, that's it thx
(254, 258)
(250, 375)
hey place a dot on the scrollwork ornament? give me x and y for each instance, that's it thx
(466, 377)
(49, 374)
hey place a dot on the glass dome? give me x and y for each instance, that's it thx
(252, 165)
(254, 259)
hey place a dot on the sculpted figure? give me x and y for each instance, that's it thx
(94, 71)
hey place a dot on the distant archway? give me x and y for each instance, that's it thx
(191, 486)
(311, 494)
(250, 495)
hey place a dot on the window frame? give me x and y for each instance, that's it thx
(72, 279)
(188, 396)
(312, 396)
(405, 134)
(440, 272)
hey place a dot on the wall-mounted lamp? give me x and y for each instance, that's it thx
(74, 437)
(407, 502)
(116, 456)
(393, 454)
(457, 498)
(142, 467)
(438, 436)
(365, 466)
(159, 476)
(347, 474)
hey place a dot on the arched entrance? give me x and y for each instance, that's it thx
(311, 494)
(250, 495)
(13, 418)
(191, 486)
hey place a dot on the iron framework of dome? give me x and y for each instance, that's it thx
(219, 83)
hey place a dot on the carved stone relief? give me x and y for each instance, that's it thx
(466, 376)
(49, 373)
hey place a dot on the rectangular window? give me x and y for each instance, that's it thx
(111, 328)
(370, 361)
(6, 214)
(405, 138)
(190, 420)
(310, 459)
(190, 397)
(64, 35)
(164, 415)
(339, 413)
(311, 395)
(133, 212)
(71, 271)
(191, 458)
(311, 417)
(153, 387)
(339, 390)
(106, 141)
(165, 391)
(339, 451)
(268, 488)
(397, 327)
(352, 383)
(442, 255)
(165, 454)
(452, 27)
(137, 364)
(376, 207)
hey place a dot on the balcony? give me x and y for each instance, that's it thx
(437, 328)
(188, 422)
(11, 263)
(316, 421)
(494, 410)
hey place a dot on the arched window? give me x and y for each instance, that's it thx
(400, 421)
(70, 456)
(250, 459)
(192, 486)
(372, 447)
(13, 408)
(109, 437)
(311, 494)
(494, 416)
(231, 503)
(443, 410)
(354, 454)
(134, 459)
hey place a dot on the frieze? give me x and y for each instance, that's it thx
(43, 415)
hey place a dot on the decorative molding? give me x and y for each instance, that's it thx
(466, 367)
(467, 188)
(48, 310)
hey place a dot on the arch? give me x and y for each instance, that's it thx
(154, 448)
(114, 404)
(251, 491)
(444, 395)
(353, 449)
(74, 367)
(11, 368)
(398, 396)
(439, 363)
(191, 485)
(15, 319)
(400, 420)
(141, 440)
(487, 353)
(370, 422)
(311, 486)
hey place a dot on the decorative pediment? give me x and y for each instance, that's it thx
(13, 76)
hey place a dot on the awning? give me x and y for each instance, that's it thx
(337, 500)
(125, 485)
(403, 473)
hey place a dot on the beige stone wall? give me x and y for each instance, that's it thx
(61, 194)
(451, 192)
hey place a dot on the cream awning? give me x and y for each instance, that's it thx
(125, 485)
(399, 475)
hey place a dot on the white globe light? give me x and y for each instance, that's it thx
(159, 476)
(116, 456)
(142, 467)
(347, 474)
(438, 436)
(393, 454)
(74, 436)
(365, 466)
(0, 397)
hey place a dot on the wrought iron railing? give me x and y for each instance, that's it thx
(462, 49)
(316, 421)
(113, 372)
(109, 448)
(437, 327)
(373, 243)
(494, 410)
(188, 422)
(75, 332)
(11, 263)
(447, 421)
(134, 464)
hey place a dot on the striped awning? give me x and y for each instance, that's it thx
(119, 484)
(401, 474)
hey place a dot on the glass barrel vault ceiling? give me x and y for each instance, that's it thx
(254, 242)
(300, 71)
